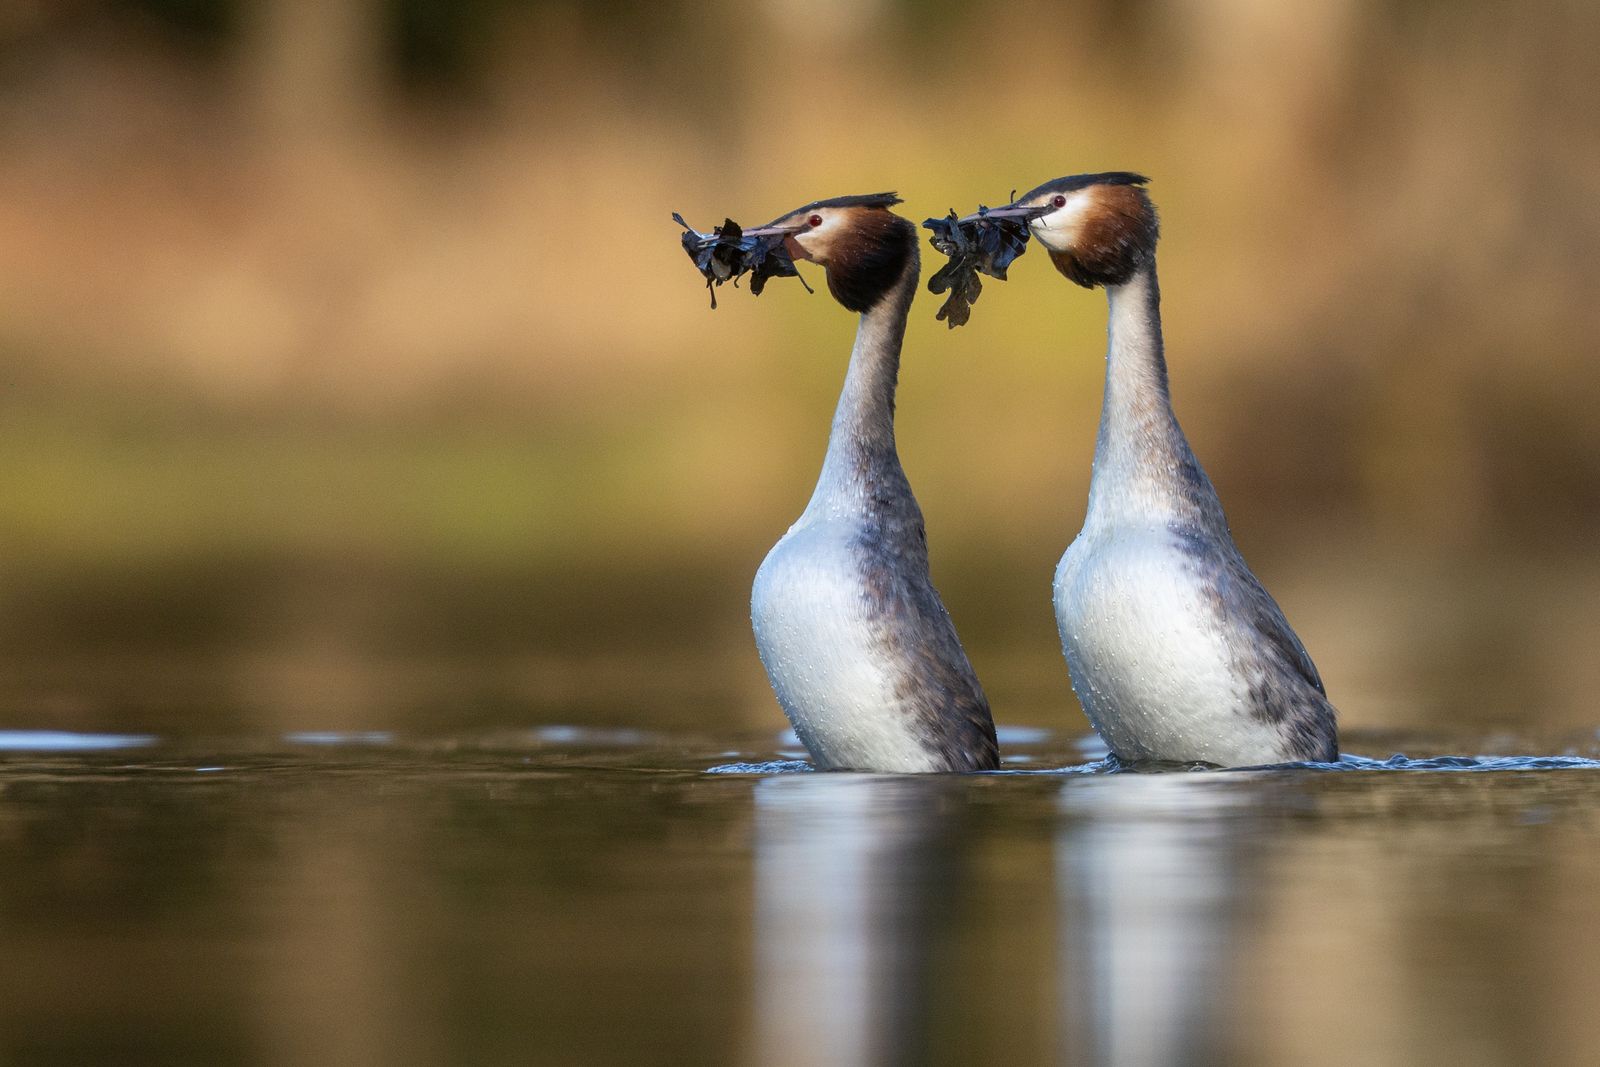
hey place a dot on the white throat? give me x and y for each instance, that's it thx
(1140, 443)
(863, 422)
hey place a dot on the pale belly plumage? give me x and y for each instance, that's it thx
(824, 653)
(1148, 656)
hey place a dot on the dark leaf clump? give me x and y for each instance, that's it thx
(726, 253)
(980, 245)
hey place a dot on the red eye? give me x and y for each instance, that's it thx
(815, 220)
(1059, 200)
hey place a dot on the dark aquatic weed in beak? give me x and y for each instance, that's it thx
(727, 252)
(983, 243)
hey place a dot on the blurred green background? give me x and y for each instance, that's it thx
(353, 376)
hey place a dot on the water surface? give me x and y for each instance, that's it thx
(574, 895)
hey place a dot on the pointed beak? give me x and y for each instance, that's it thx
(1010, 211)
(790, 245)
(770, 231)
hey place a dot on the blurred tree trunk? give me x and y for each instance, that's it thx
(314, 69)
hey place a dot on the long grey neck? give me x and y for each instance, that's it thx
(862, 465)
(1144, 470)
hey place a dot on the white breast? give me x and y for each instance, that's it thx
(1147, 656)
(818, 643)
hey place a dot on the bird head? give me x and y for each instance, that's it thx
(1098, 228)
(863, 246)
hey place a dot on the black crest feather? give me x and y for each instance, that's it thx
(1073, 182)
(861, 200)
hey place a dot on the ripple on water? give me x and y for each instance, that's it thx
(1346, 762)
(565, 734)
(777, 766)
(68, 741)
(1401, 762)
(338, 737)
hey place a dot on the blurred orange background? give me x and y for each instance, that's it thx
(354, 376)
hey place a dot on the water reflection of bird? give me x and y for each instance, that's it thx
(1176, 650)
(1155, 875)
(858, 882)
(860, 650)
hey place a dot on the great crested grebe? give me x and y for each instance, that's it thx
(860, 650)
(1175, 649)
